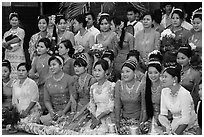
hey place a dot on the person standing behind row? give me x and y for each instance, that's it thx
(126, 41)
(13, 43)
(62, 33)
(133, 16)
(147, 39)
(33, 43)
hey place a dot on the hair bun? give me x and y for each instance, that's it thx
(155, 54)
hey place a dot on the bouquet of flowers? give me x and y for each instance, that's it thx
(167, 41)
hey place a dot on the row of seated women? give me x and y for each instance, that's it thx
(92, 102)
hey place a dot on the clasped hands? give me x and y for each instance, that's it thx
(95, 122)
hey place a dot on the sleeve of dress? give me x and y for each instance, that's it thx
(114, 44)
(14, 99)
(46, 93)
(157, 41)
(72, 87)
(110, 106)
(92, 106)
(91, 41)
(163, 106)
(5, 35)
(141, 89)
(72, 39)
(117, 101)
(187, 107)
(136, 42)
(21, 34)
(131, 42)
(32, 46)
(34, 93)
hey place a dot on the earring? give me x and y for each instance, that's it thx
(174, 83)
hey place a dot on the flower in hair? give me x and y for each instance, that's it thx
(193, 46)
(167, 33)
(155, 52)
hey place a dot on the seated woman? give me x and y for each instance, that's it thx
(127, 98)
(25, 96)
(113, 75)
(190, 77)
(101, 101)
(152, 87)
(135, 56)
(58, 91)
(66, 50)
(178, 101)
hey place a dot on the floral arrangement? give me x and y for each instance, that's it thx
(167, 33)
(78, 49)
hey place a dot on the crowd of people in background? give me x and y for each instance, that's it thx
(142, 71)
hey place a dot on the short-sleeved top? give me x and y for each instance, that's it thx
(130, 101)
(58, 92)
(94, 31)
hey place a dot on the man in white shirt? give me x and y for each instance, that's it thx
(133, 19)
(166, 18)
(90, 18)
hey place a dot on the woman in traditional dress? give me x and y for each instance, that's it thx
(190, 77)
(62, 33)
(40, 69)
(152, 87)
(106, 37)
(58, 91)
(178, 101)
(126, 42)
(34, 40)
(66, 50)
(147, 39)
(25, 96)
(127, 99)
(13, 43)
(196, 39)
(101, 101)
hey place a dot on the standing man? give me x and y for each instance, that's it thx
(133, 16)
(90, 18)
(166, 18)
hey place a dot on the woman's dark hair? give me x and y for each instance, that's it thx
(14, 15)
(81, 19)
(174, 71)
(59, 17)
(109, 54)
(147, 13)
(107, 17)
(179, 13)
(197, 16)
(25, 65)
(43, 17)
(157, 16)
(117, 22)
(134, 53)
(186, 50)
(68, 45)
(103, 63)
(57, 58)
(80, 62)
(46, 41)
(6, 63)
(154, 62)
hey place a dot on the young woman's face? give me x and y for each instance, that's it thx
(76, 25)
(197, 24)
(62, 25)
(79, 69)
(22, 72)
(113, 26)
(99, 73)
(14, 22)
(42, 25)
(200, 91)
(55, 67)
(41, 49)
(176, 20)
(153, 74)
(5, 72)
(105, 25)
(127, 74)
(182, 59)
(167, 80)
(62, 49)
(147, 21)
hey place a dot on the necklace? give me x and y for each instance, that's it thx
(104, 37)
(99, 88)
(42, 61)
(154, 90)
(184, 74)
(129, 90)
(82, 82)
(58, 78)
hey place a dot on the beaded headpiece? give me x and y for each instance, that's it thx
(11, 14)
(60, 59)
(130, 62)
(196, 12)
(83, 56)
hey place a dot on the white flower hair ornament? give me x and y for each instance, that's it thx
(155, 52)
(193, 46)
(97, 47)
(195, 12)
(167, 33)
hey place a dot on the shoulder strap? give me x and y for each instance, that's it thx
(134, 23)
